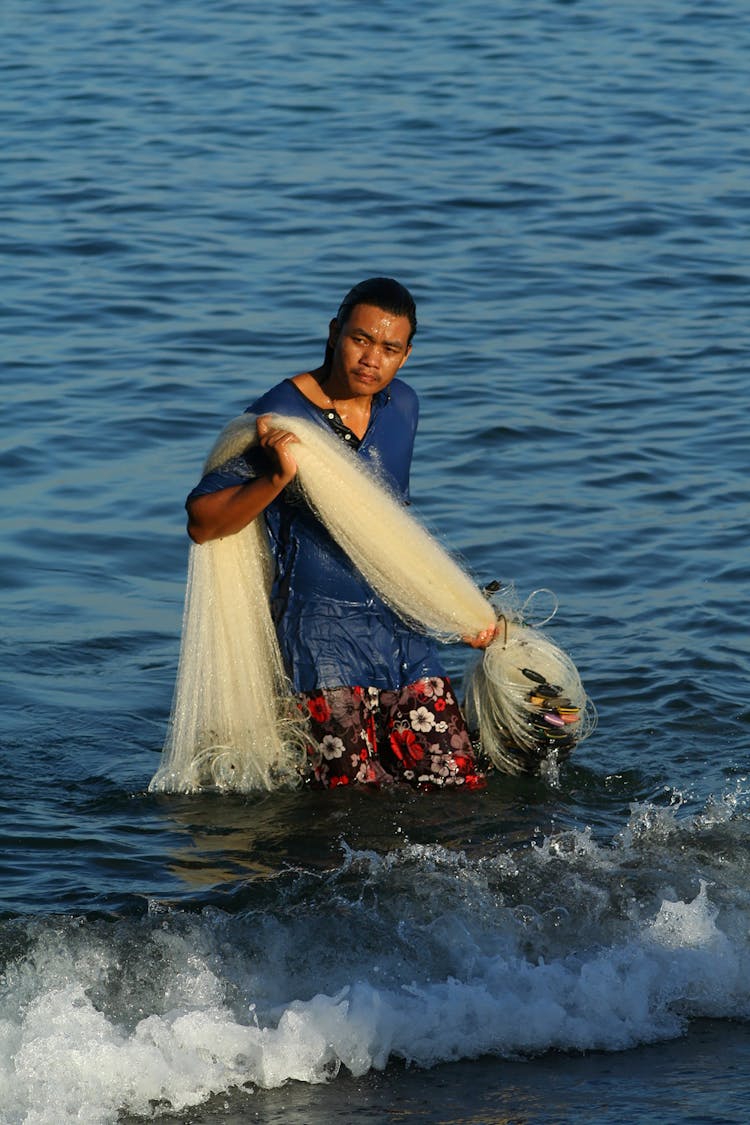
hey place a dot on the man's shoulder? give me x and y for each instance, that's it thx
(403, 395)
(284, 396)
(404, 403)
(404, 391)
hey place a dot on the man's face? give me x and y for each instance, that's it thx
(369, 349)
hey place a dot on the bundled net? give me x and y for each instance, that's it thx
(525, 699)
(234, 724)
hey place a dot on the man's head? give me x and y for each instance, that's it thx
(383, 293)
(369, 339)
(378, 292)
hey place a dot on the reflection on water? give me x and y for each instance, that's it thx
(228, 840)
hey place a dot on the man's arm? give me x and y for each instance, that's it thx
(216, 514)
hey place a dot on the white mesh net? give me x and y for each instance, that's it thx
(234, 724)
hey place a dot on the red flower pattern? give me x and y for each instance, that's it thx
(319, 709)
(381, 743)
(405, 746)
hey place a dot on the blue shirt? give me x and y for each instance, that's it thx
(333, 629)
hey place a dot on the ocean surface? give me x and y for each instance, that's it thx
(188, 189)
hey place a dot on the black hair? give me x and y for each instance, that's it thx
(383, 293)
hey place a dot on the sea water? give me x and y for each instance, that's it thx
(188, 189)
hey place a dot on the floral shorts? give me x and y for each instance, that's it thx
(364, 735)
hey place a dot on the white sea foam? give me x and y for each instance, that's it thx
(420, 954)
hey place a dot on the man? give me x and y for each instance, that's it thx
(379, 705)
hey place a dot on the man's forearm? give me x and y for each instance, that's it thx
(217, 514)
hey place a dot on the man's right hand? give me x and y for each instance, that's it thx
(276, 442)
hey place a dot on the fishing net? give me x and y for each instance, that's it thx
(525, 698)
(234, 724)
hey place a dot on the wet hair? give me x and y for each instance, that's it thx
(382, 293)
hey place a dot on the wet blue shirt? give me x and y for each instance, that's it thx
(333, 629)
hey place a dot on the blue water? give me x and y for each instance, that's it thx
(188, 189)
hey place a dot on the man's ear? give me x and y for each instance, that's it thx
(405, 356)
(333, 333)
